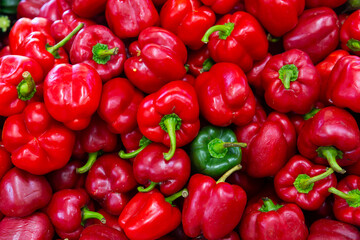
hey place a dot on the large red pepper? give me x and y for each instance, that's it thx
(324, 3)
(188, 19)
(103, 232)
(157, 57)
(72, 94)
(29, 8)
(350, 33)
(291, 82)
(123, 16)
(278, 16)
(237, 38)
(266, 220)
(225, 96)
(199, 61)
(88, 8)
(221, 6)
(119, 104)
(304, 183)
(332, 230)
(331, 137)
(109, 181)
(5, 161)
(20, 78)
(37, 143)
(317, 33)
(170, 116)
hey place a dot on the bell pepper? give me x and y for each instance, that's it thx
(350, 34)
(151, 169)
(134, 142)
(317, 33)
(103, 232)
(88, 8)
(170, 116)
(221, 6)
(291, 82)
(35, 226)
(188, 19)
(331, 137)
(49, 10)
(238, 38)
(118, 177)
(254, 75)
(150, 215)
(157, 57)
(118, 105)
(278, 17)
(324, 3)
(68, 212)
(199, 61)
(333, 230)
(72, 94)
(123, 18)
(5, 161)
(225, 96)
(29, 8)
(212, 208)
(23, 193)
(214, 151)
(265, 218)
(304, 183)
(37, 143)
(19, 77)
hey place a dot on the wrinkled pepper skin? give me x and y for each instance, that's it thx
(5, 161)
(333, 230)
(103, 232)
(278, 17)
(37, 143)
(157, 57)
(317, 33)
(290, 189)
(225, 96)
(18, 72)
(324, 3)
(23, 193)
(123, 18)
(189, 20)
(119, 105)
(35, 226)
(88, 8)
(72, 94)
(221, 6)
(350, 33)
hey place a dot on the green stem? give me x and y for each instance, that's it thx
(91, 160)
(149, 188)
(312, 113)
(183, 193)
(207, 64)
(26, 88)
(352, 197)
(225, 31)
(170, 123)
(288, 73)
(304, 183)
(354, 4)
(269, 206)
(228, 173)
(218, 149)
(353, 44)
(319, 177)
(331, 154)
(4, 23)
(273, 39)
(144, 142)
(87, 214)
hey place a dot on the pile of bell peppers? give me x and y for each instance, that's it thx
(179, 119)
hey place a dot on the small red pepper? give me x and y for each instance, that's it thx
(88, 8)
(350, 33)
(103, 232)
(199, 61)
(333, 230)
(221, 6)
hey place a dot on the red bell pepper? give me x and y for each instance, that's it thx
(118, 177)
(123, 16)
(50, 11)
(291, 82)
(317, 33)
(150, 215)
(235, 102)
(199, 61)
(212, 208)
(119, 104)
(35, 226)
(237, 38)
(5, 161)
(111, 220)
(332, 230)
(350, 33)
(134, 142)
(157, 57)
(29, 8)
(170, 116)
(72, 94)
(103, 232)
(254, 75)
(331, 137)
(88, 8)
(304, 183)
(151, 169)
(19, 79)
(37, 143)
(188, 19)
(324, 3)
(221, 6)
(268, 220)
(279, 16)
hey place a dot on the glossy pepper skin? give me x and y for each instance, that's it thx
(189, 20)
(304, 183)
(212, 208)
(151, 169)
(238, 38)
(221, 6)
(103, 232)
(278, 17)
(109, 181)
(37, 143)
(23, 193)
(88, 8)
(35, 226)
(119, 104)
(221, 104)
(332, 230)
(214, 151)
(157, 57)
(98, 47)
(317, 33)
(170, 116)
(266, 220)
(350, 34)
(330, 137)
(29, 8)
(123, 19)
(19, 79)
(72, 94)
(291, 82)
